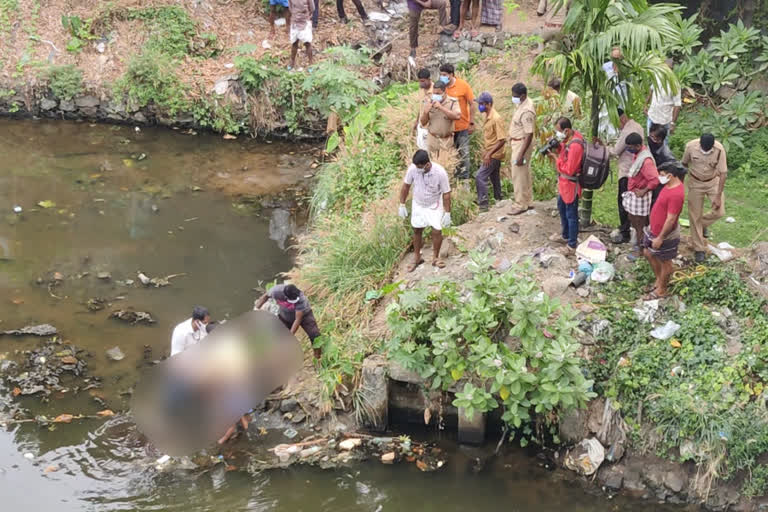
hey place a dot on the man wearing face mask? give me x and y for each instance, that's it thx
(294, 312)
(570, 155)
(657, 143)
(662, 238)
(190, 331)
(708, 170)
(431, 205)
(493, 151)
(438, 115)
(425, 94)
(643, 179)
(520, 142)
(624, 162)
(465, 125)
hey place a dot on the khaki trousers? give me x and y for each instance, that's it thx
(697, 191)
(414, 17)
(437, 147)
(520, 175)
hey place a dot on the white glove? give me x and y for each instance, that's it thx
(446, 222)
(402, 211)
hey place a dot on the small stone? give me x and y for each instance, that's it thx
(29, 456)
(388, 458)
(115, 354)
(514, 227)
(288, 405)
(673, 481)
(48, 104)
(299, 417)
(69, 360)
(104, 275)
(582, 292)
(349, 444)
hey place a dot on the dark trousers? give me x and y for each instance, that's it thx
(569, 220)
(455, 12)
(461, 143)
(485, 173)
(624, 224)
(316, 14)
(358, 4)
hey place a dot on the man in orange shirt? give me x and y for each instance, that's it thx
(463, 128)
(568, 163)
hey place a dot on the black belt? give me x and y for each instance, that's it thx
(701, 180)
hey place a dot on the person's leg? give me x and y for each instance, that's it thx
(437, 242)
(572, 214)
(340, 11)
(287, 16)
(360, 9)
(272, 9)
(462, 14)
(294, 51)
(413, 28)
(228, 434)
(461, 143)
(481, 184)
(522, 186)
(695, 206)
(442, 12)
(417, 243)
(638, 222)
(245, 421)
(475, 15)
(666, 272)
(624, 224)
(712, 215)
(316, 14)
(542, 8)
(455, 12)
(561, 208)
(308, 48)
(655, 266)
(496, 178)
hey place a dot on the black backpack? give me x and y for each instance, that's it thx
(595, 165)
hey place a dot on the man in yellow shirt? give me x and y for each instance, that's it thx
(707, 170)
(493, 151)
(521, 144)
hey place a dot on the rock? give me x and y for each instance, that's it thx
(514, 227)
(487, 50)
(612, 477)
(67, 106)
(104, 275)
(388, 458)
(555, 286)
(374, 391)
(471, 46)
(349, 444)
(456, 57)
(582, 292)
(633, 481)
(471, 430)
(298, 417)
(502, 264)
(115, 354)
(33, 330)
(48, 104)
(133, 317)
(585, 458)
(87, 101)
(675, 480)
(379, 17)
(573, 426)
(221, 86)
(139, 118)
(451, 47)
(398, 373)
(288, 405)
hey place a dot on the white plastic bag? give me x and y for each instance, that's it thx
(602, 272)
(592, 250)
(665, 331)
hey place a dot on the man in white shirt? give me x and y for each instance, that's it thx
(190, 331)
(664, 107)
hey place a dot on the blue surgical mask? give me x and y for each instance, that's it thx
(516, 100)
(437, 97)
(445, 79)
(481, 107)
(634, 151)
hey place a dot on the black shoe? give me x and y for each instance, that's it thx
(483, 208)
(699, 256)
(344, 20)
(705, 232)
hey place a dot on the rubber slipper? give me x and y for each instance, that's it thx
(438, 263)
(414, 266)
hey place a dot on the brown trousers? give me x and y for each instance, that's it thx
(696, 191)
(415, 16)
(437, 147)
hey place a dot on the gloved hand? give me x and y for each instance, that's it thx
(402, 211)
(446, 222)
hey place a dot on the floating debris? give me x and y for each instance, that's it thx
(133, 317)
(115, 354)
(33, 330)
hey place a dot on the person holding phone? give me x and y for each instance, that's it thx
(190, 331)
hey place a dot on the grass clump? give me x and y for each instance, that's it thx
(65, 81)
(151, 79)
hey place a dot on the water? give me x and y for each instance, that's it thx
(104, 221)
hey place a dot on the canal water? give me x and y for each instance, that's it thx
(98, 204)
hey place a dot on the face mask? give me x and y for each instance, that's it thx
(482, 108)
(634, 151)
(664, 179)
(560, 135)
(437, 97)
(653, 144)
(515, 100)
(708, 152)
(425, 169)
(445, 79)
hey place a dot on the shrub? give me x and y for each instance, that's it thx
(65, 81)
(151, 79)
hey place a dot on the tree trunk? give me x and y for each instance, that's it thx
(585, 205)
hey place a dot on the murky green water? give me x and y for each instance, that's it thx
(111, 210)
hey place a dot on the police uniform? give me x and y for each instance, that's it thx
(440, 128)
(704, 175)
(523, 124)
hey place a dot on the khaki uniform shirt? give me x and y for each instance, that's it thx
(439, 124)
(493, 132)
(703, 167)
(523, 121)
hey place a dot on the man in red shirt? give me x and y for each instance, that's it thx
(643, 179)
(568, 163)
(662, 238)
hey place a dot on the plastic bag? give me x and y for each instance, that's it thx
(603, 272)
(665, 331)
(592, 250)
(585, 457)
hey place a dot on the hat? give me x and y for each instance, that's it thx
(485, 97)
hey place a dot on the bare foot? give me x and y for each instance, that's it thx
(415, 264)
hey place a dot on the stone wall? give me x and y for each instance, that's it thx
(458, 51)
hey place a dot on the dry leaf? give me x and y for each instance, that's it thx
(427, 415)
(230, 467)
(46, 204)
(17, 301)
(422, 465)
(63, 418)
(16, 391)
(388, 458)
(69, 360)
(51, 469)
(58, 276)
(675, 343)
(105, 413)
(227, 136)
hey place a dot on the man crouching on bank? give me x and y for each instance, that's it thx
(431, 205)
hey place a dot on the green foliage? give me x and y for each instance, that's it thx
(151, 79)
(220, 117)
(757, 483)
(65, 81)
(453, 335)
(686, 37)
(79, 29)
(170, 27)
(720, 286)
(8, 8)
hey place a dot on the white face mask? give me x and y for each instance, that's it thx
(516, 100)
(664, 179)
(560, 135)
(707, 152)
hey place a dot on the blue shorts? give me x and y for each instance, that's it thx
(284, 3)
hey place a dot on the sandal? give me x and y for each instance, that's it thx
(653, 296)
(415, 265)
(438, 263)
